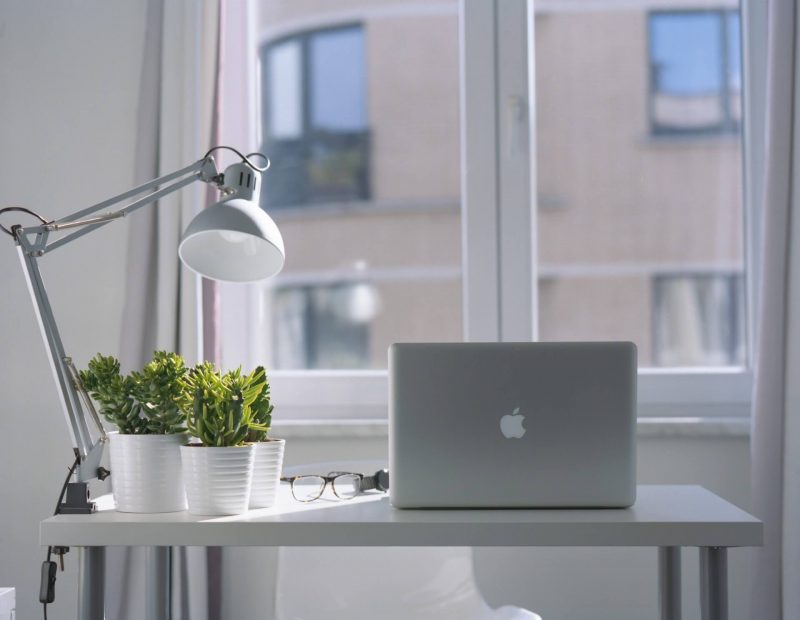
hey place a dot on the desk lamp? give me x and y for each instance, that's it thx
(233, 240)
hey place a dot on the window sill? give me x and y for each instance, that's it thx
(647, 427)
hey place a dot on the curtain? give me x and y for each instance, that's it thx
(164, 300)
(776, 415)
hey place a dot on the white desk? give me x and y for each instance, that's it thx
(667, 517)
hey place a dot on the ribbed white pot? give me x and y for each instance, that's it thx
(146, 474)
(267, 465)
(217, 478)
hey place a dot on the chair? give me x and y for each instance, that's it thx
(386, 583)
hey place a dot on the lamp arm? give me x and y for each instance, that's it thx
(88, 451)
(32, 244)
(201, 170)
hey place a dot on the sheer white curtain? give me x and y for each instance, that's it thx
(164, 300)
(776, 416)
(177, 102)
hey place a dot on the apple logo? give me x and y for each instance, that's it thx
(511, 425)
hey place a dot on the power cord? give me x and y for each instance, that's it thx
(47, 586)
(24, 210)
(245, 158)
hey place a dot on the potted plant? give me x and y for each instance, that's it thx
(144, 452)
(218, 471)
(268, 452)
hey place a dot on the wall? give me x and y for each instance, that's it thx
(70, 76)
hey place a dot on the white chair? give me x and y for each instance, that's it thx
(380, 583)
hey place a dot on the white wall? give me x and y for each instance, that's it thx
(70, 76)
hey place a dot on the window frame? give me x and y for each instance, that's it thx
(499, 231)
(728, 125)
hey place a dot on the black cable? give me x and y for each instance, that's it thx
(24, 210)
(262, 156)
(58, 509)
(245, 158)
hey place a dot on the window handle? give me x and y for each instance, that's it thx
(516, 125)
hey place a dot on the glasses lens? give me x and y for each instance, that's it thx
(346, 486)
(307, 488)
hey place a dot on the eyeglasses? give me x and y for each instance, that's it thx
(345, 485)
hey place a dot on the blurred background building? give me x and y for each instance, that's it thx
(638, 160)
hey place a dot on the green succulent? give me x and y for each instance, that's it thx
(259, 398)
(141, 403)
(225, 409)
(157, 388)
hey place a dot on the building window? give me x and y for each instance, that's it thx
(315, 118)
(695, 72)
(699, 320)
(323, 326)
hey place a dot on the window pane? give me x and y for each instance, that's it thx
(686, 63)
(285, 113)
(325, 326)
(698, 320)
(368, 196)
(621, 207)
(325, 159)
(338, 97)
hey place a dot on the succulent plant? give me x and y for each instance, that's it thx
(141, 403)
(259, 397)
(157, 388)
(114, 394)
(225, 409)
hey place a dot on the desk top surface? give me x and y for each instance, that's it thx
(662, 516)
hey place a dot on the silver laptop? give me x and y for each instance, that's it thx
(479, 425)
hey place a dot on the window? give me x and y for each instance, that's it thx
(325, 326)
(630, 209)
(315, 118)
(364, 186)
(695, 69)
(572, 225)
(698, 320)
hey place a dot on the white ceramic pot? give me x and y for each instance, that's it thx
(217, 478)
(267, 465)
(146, 474)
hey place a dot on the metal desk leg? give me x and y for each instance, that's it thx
(713, 583)
(669, 582)
(158, 583)
(91, 582)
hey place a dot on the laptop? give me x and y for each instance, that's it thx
(512, 425)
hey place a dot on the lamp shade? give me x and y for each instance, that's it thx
(234, 240)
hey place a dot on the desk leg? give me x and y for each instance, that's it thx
(91, 582)
(713, 583)
(669, 582)
(158, 583)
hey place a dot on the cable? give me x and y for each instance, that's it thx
(262, 156)
(245, 158)
(24, 210)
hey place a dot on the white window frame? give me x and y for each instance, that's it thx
(499, 230)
